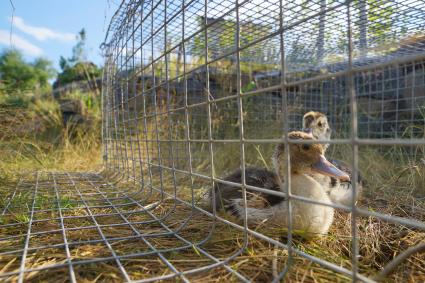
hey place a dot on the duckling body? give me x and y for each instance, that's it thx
(307, 218)
(229, 197)
(340, 192)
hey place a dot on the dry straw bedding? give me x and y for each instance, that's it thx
(379, 242)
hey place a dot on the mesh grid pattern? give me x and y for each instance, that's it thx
(194, 89)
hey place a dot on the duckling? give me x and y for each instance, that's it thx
(317, 122)
(339, 192)
(258, 177)
(307, 219)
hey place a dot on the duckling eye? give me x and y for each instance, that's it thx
(320, 124)
(306, 146)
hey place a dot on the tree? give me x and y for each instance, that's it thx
(362, 27)
(79, 53)
(380, 19)
(63, 63)
(44, 71)
(20, 76)
(77, 68)
(78, 72)
(321, 36)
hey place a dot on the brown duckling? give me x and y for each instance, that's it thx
(308, 219)
(340, 192)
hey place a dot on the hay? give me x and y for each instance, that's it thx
(379, 243)
(395, 187)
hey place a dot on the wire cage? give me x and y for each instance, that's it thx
(193, 90)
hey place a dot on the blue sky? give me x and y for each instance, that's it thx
(48, 28)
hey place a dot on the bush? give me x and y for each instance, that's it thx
(79, 72)
(18, 76)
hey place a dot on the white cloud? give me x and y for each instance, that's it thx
(42, 33)
(19, 43)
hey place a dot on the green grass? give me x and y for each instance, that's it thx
(33, 138)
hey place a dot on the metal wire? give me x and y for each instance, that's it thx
(193, 89)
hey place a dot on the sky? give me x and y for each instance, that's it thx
(48, 28)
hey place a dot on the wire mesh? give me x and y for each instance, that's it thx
(193, 90)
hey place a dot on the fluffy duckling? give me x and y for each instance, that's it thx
(307, 219)
(318, 124)
(340, 192)
(230, 198)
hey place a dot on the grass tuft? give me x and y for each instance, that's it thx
(34, 138)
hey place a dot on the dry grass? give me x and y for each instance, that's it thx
(379, 243)
(34, 138)
(395, 186)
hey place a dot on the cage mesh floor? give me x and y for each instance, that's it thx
(84, 226)
(79, 227)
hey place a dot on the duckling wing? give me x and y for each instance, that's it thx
(263, 178)
(228, 196)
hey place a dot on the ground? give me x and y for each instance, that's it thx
(105, 214)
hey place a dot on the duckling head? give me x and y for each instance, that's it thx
(306, 158)
(317, 124)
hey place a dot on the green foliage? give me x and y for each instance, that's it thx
(380, 21)
(18, 76)
(78, 72)
(91, 102)
(223, 35)
(79, 53)
(77, 68)
(35, 137)
(63, 63)
(21, 100)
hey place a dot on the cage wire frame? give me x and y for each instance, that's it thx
(347, 71)
(160, 62)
